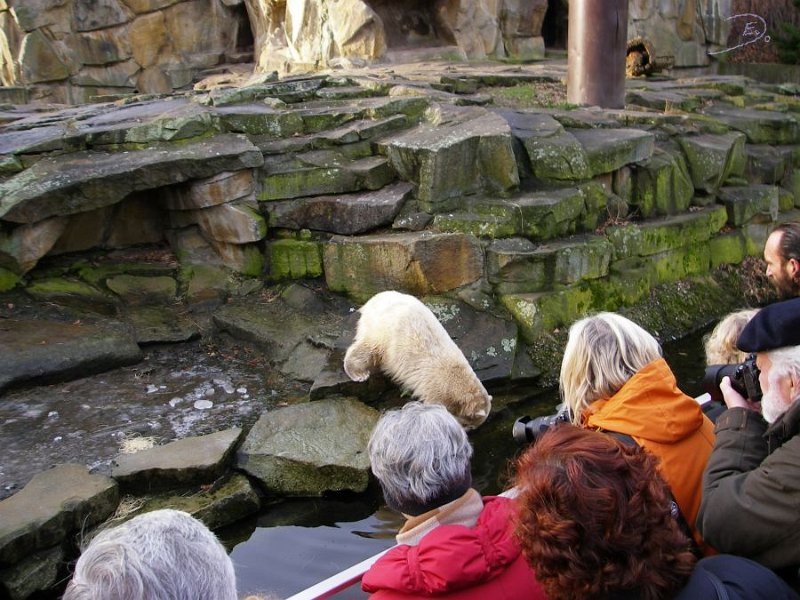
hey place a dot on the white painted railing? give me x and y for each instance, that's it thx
(336, 583)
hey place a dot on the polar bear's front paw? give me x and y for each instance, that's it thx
(356, 365)
(357, 375)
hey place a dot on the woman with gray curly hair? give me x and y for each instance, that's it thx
(163, 554)
(455, 544)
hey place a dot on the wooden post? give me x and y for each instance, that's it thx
(598, 32)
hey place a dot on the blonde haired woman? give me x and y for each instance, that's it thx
(720, 344)
(613, 379)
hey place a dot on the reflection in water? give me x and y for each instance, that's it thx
(297, 543)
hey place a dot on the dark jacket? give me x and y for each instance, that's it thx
(734, 578)
(751, 488)
(455, 562)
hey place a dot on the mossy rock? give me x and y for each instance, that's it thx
(205, 284)
(316, 120)
(412, 107)
(662, 185)
(785, 200)
(144, 290)
(260, 120)
(625, 286)
(73, 292)
(294, 259)
(218, 504)
(796, 187)
(517, 266)
(8, 280)
(550, 214)
(610, 149)
(482, 226)
(535, 314)
(97, 274)
(661, 235)
(760, 126)
(10, 164)
(557, 157)
(184, 128)
(727, 249)
(681, 263)
(307, 181)
(714, 159)
(751, 203)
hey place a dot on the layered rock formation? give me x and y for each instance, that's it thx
(510, 223)
(67, 51)
(377, 182)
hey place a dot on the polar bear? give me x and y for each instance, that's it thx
(399, 335)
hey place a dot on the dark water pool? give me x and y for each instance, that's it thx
(295, 544)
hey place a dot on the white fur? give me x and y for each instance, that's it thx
(399, 335)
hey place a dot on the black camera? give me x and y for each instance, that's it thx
(527, 429)
(744, 379)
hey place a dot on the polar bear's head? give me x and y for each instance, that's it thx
(462, 393)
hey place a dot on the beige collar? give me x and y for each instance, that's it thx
(461, 511)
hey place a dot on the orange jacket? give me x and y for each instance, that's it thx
(662, 419)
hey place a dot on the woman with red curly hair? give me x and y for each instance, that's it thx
(594, 520)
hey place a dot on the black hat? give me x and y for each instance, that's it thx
(774, 326)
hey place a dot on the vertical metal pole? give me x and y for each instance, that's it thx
(598, 39)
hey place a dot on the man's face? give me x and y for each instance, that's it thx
(777, 398)
(782, 273)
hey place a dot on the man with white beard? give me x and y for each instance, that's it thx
(751, 484)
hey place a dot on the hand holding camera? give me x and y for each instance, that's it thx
(733, 398)
(743, 379)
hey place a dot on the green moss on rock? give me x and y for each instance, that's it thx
(72, 292)
(8, 280)
(294, 259)
(661, 185)
(727, 249)
(656, 236)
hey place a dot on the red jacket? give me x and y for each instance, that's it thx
(662, 419)
(457, 562)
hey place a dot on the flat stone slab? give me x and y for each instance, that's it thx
(73, 183)
(760, 126)
(311, 448)
(661, 235)
(422, 263)
(186, 462)
(161, 324)
(295, 335)
(610, 149)
(517, 265)
(53, 350)
(218, 505)
(756, 203)
(345, 214)
(53, 505)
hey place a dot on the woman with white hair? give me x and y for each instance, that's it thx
(160, 555)
(455, 544)
(613, 379)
